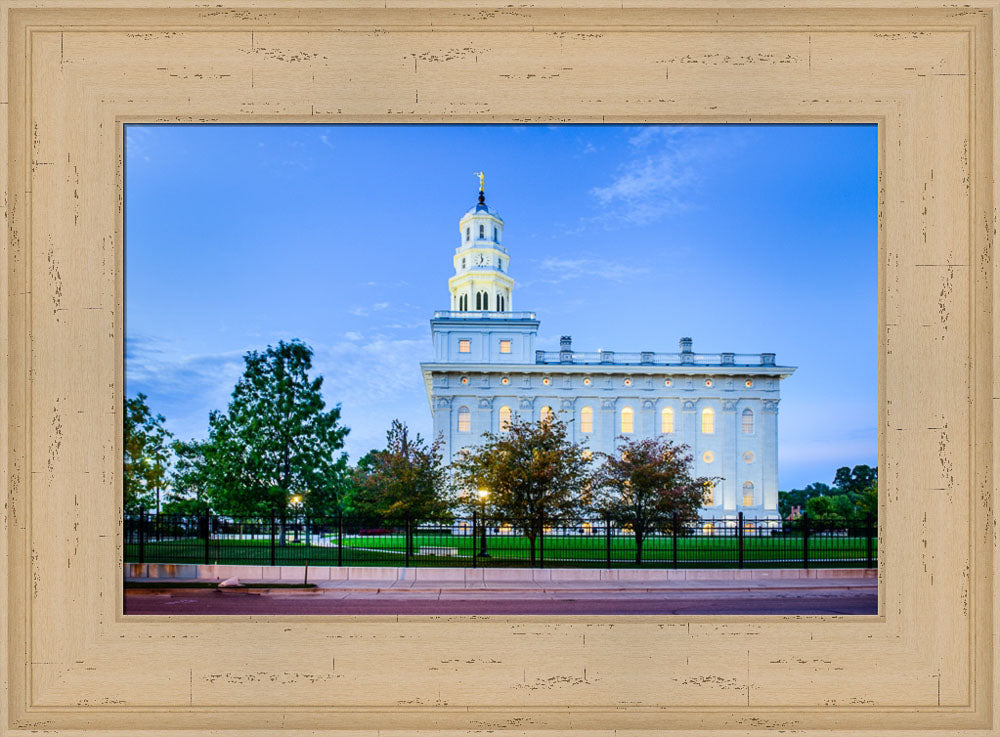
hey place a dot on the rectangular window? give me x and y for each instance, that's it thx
(505, 346)
(708, 497)
(464, 346)
(747, 498)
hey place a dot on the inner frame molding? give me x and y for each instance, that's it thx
(75, 74)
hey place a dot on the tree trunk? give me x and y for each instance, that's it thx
(531, 547)
(638, 546)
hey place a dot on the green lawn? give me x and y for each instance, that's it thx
(513, 551)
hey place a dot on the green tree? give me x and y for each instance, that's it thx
(276, 440)
(191, 479)
(799, 497)
(404, 481)
(647, 485)
(854, 480)
(147, 456)
(533, 473)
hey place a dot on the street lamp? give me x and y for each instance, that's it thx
(297, 503)
(483, 496)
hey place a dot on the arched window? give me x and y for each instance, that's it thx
(708, 529)
(464, 419)
(748, 421)
(501, 306)
(496, 234)
(628, 420)
(479, 300)
(545, 414)
(708, 421)
(748, 494)
(505, 414)
(468, 233)
(667, 420)
(587, 420)
(708, 497)
(482, 231)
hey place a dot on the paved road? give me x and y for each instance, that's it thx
(855, 601)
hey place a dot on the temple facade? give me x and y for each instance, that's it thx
(486, 370)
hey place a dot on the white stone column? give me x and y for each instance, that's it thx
(647, 419)
(727, 456)
(769, 454)
(609, 428)
(443, 425)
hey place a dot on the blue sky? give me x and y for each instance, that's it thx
(746, 238)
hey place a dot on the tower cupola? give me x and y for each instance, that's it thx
(481, 282)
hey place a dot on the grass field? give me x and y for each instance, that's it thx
(514, 551)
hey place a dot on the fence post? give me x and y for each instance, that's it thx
(869, 534)
(208, 536)
(739, 536)
(273, 531)
(475, 538)
(674, 528)
(340, 537)
(406, 542)
(541, 543)
(805, 540)
(142, 536)
(607, 538)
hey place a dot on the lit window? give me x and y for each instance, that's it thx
(546, 381)
(667, 420)
(708, 529)
(505, 346)
(748, 457)
(708, 421)
(465, 379)
(748, 383)
(505, 415)
(708, 382)
(667, 382)
(505, 381)
(628, 420)
(464, 419)
(545, 415)
(628, 382)
(708, 498)
(586, 382)
(748, 421)
(586, 420)
(708, 457)
(748, 494)
(464, 346)
(587, 454)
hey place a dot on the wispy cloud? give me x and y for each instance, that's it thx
(558, 270)
(374, 379)
(660, 178)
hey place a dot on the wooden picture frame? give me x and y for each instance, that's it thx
(925, 72)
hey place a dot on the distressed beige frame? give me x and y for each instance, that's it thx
(924, 71)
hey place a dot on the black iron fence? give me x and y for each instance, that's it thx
(593, 542)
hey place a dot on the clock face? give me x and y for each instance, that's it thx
(482, 260)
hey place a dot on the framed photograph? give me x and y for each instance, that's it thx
(78, 77)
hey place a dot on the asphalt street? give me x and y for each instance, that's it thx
(843, 600)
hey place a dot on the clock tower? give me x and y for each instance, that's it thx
(481, 282)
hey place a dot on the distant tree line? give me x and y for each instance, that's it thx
(853, 496)
(277, 451)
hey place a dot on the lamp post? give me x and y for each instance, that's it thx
(483, 496)
(297, 504)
